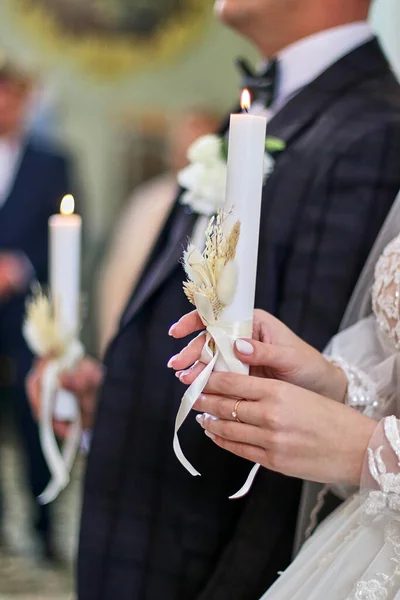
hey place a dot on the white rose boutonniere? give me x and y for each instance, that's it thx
(204, 179)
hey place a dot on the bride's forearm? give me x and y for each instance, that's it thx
(333, 381)
(353, 449)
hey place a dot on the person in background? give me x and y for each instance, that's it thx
(43, 118)
(33, 180)
(141, 222)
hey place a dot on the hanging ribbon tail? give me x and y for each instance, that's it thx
(60, 462)
(247, 486)
(187, 403)
(69, 451)
(223, 336)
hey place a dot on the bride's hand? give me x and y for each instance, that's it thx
(275, 352)
(285, 428)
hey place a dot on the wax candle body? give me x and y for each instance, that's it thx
(65, 261)
(243, 200)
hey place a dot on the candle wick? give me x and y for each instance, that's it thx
(245, 110)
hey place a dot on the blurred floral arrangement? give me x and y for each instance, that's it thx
(109, 38)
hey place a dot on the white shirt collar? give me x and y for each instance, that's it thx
(303, 61)
(10, 156)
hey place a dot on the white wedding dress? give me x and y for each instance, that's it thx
(355, 553)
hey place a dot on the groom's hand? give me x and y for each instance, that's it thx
(84, 382)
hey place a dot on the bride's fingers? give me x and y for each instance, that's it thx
(260, 354)
(189, 355)
(187, 377)
(224, 408)
(240, 386)
(233, 431)
(252, 453)
(186, 325)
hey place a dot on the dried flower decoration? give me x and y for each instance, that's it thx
(213, 272)
(41, 328)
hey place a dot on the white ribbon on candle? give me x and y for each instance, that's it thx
(53, 342)
(59, 460)
(223, 336)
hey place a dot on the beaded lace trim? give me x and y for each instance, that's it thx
(386, 292)
(361, 391)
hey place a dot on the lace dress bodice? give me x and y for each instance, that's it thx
(367, 392)
(386, 292)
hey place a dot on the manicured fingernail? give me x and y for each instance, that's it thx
(211, 417)
(171, 329)
(200, 419)
(201, 398)
(183, 374)
(178, 375)
(171, 361)
(244, 347)
(210, 435)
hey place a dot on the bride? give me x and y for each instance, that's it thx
(332, 419)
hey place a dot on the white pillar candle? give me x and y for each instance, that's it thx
(65, 263)
(246, 154)
(243, 202)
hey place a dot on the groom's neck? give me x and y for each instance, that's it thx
(274, 27)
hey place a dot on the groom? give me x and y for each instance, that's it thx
(149, 530)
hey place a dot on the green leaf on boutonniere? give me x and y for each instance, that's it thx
(274, 144)
(224, 149)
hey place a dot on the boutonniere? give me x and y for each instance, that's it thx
(204, 179)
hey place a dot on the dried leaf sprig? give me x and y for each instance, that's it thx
(213, 272)
(42, 329)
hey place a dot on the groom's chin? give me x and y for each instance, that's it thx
(230, 13)
(221, 10)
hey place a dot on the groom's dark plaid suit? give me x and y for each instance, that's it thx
(150, 531)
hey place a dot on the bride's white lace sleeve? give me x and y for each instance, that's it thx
(369, 351)
(362, 393)
(382, 465)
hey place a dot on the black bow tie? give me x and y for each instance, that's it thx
(263, 85)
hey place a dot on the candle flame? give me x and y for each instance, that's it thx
(67, 205)
(245, 101)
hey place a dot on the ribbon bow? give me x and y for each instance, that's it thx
(218, 347)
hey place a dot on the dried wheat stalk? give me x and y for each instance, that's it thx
(213, 273)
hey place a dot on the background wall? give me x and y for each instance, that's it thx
(386, 20)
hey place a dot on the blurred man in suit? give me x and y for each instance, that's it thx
(33, 180)
(149, 530)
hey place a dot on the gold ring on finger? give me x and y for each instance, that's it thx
(235, 412)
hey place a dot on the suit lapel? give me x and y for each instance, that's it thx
(167, 255)
(297, 115)
(17, 178)
(165, 262)
(363, 63)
